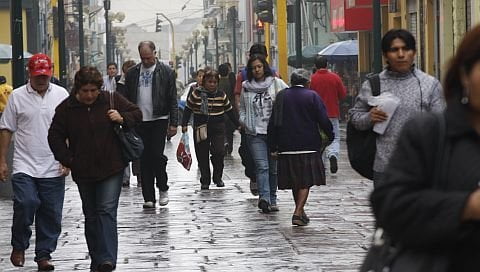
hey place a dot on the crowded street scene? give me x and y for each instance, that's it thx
(240, 135)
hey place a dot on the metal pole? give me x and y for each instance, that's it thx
(196, 53)
(16, 34)
(172, 54)
(234, 34)
(81, 47)
(61, 43)
(216, 46)
(377, 37)
(106, 6)
(298, 33)
(282, 39)
(205, 43)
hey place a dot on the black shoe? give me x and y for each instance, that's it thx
(299, 220)
(106, 267)
(333, 164)
(204, 187)
(264, 206)
(306, 218)
(219, 183)
(253, 187)
(126, 184)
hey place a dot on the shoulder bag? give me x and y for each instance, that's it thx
(131, 143)
(362, 144)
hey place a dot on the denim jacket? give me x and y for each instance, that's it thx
(247, 112)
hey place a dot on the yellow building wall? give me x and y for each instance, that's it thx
(6, 68)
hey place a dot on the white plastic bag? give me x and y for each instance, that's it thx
(388, 103)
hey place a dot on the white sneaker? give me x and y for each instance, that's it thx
(163, 198)
(148, 205)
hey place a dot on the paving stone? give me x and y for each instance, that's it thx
(220, 229)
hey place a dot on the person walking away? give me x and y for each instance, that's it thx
(86, 121)
(429, 200)
(331, 89)
(38, 180)
(209, 106)
(151, 85)
(293, 135)
(5, 91)
(122, 89)
(225, 86)
(416, 91)
(256, 103)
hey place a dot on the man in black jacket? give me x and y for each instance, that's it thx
(151, 85)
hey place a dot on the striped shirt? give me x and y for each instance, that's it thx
(218, 105)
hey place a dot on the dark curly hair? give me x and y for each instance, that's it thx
(87, 75)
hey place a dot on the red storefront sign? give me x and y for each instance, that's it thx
(352, 15)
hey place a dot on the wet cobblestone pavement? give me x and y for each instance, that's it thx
(220, 229)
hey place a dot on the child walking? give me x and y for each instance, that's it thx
(209, 105)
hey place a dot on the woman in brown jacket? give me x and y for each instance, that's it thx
(82, 138)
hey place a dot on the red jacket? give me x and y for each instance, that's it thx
(330, 88)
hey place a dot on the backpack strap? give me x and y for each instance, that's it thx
(374, 80)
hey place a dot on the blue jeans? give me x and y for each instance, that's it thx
(334, 148)
(99, 205)
(40, 199)
(265, 168)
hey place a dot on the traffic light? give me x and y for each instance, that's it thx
(260, 28)
(265, 10)
(158, 26)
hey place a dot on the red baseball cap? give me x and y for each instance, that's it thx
(40, 64)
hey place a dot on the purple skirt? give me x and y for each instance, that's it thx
(300, 171)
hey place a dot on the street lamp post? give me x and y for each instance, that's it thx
(172, 54)
(195, 34)
(81, 47)
(212, 23)
(108, 45)
(232, 17)
(205, 44)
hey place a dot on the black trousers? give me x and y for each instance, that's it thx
(153, 162)
(214, 145)
(246, 156)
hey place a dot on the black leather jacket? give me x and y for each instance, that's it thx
(164, 91)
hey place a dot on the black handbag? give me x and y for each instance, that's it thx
(386, 256)
(132, 144)
(362, 144)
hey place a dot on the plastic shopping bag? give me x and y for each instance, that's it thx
(183, 152)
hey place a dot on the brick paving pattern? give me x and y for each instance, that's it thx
(220, 229)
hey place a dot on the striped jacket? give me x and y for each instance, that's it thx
(218, 106)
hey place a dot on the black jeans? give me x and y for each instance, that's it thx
(214, 145)
(246, 156)
(153, 162)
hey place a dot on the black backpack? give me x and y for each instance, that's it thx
(362, 144)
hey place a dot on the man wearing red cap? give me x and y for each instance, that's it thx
(38, 180)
